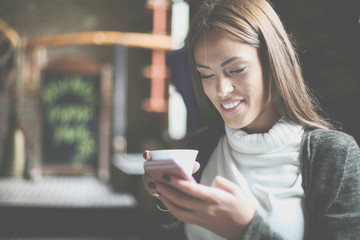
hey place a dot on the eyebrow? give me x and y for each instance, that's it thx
(228, 61)
(222, 64)
(202, 66)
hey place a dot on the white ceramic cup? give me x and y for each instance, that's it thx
(184, 157)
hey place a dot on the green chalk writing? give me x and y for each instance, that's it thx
(70, 119)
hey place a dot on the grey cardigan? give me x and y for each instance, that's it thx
(330, 167)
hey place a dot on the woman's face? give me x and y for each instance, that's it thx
(233, 80)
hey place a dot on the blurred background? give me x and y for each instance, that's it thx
(87, 85)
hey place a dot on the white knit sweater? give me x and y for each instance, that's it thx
(266, 168)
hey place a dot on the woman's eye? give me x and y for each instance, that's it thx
(237, 71)
(207, 76)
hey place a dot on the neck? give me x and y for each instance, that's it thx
(264, 122)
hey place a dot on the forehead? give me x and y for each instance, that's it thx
(216, 46)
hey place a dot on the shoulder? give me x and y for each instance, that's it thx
(331, 177)
(326, 135)
(324, 140)
(327, 155)
(328, 147)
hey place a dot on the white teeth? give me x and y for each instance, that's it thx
(231, 105)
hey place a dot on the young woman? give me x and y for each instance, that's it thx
(271, 166)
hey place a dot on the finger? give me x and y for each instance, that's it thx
(181, 213)
(146, 181)
(178, 198)
(147, 155)
(150, 185)
(198, 191)
(225, 184)
(230, 187)
(196, 167)
(146, 177)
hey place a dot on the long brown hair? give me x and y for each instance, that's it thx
(256, 23)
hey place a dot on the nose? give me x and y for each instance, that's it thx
(224, 86)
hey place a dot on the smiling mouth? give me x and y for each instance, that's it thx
(230, 106)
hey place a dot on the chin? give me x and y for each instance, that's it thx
(238, 123)
(235, 125)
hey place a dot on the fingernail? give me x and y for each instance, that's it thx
(166, 177)
(145, 154)
(152, 185)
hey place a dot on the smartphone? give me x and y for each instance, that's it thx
(157, 168)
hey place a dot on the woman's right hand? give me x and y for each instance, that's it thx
(150, 183)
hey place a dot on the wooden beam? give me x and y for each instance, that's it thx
(9, 33)
(137, 40)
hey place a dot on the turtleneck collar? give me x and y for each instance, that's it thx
(281, 134)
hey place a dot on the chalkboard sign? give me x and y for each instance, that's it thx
(70, 119)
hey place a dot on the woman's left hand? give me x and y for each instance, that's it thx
(221, 208)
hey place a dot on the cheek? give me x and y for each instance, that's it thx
(263, 90)
(258, 88)
(208, 91)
